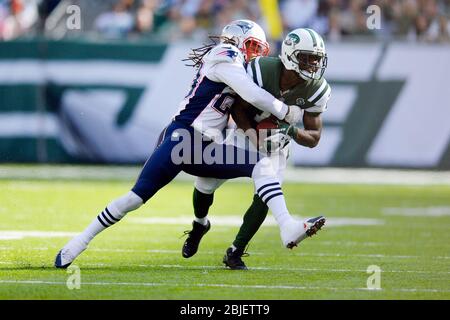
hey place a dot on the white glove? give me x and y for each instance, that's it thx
(275, 142)
(294, 114)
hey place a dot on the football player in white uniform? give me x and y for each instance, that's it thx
(204, 112)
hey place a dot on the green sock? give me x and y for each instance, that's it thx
(202, 202)
(253, 219)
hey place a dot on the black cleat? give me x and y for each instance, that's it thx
(314, 225)
(232, 259)
(190, 246)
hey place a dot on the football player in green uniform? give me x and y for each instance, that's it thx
(295, 77)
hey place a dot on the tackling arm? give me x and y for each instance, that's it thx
(225, 64)
(234, 75)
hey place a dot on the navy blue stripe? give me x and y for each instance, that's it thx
(107, 220)
(100, 220)
(269, 190)
(266, 185)
(110, 215)
(272, 196)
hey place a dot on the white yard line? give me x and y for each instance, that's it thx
(291, 253)
(318, 243)
(425, 212)
(306, 254)
(220, 285)
(236, 220)
(186, 267)
(367, 176)
(297, 175)
(18, 235)
(231, 220)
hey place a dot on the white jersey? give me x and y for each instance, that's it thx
(222, 74)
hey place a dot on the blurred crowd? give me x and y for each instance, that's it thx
(414, 20)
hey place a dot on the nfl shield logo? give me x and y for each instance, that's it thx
(300, 101)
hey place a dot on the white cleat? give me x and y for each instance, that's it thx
(69, 253)
(296, 231)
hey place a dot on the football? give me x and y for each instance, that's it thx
(268, 123)
(265, 128)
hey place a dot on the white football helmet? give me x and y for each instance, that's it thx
(303, 50)
(247, 36)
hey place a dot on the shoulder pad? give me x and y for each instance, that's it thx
(320, 98)
(224, 53)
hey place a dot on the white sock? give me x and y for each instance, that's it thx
(203, 221)
(113, 212)
(268, 188)
(233, 248)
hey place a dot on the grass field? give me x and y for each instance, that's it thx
(405, 230)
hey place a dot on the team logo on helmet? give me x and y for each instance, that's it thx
(230, 53)
(292, 38)
(245, 26)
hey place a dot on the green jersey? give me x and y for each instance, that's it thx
(311, 95)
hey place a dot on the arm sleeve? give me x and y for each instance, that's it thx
(235, 76)
(321, 100)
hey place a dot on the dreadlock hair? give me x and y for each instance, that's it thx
(196, 55)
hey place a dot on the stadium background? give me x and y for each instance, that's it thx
(102, 93)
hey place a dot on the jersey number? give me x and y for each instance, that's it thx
(224, 103)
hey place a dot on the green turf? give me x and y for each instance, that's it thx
(143, 261)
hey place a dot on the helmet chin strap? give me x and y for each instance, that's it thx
(303, 76)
